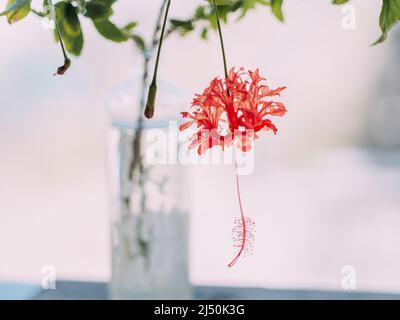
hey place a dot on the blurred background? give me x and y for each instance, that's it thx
(324, 192)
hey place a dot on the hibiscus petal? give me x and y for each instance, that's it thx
(186, 125)
(268, 124)
(276, 92)
(276, 109)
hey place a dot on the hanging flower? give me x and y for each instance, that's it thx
(233, 110)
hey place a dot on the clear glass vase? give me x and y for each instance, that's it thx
(148, 204)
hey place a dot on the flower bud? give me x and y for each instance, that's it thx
(151, 101)
(61, 70)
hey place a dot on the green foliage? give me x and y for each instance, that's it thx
(183, 26)
(276, 6)
(204, 15)
(100, 12)
(389, 16)
(339, 1)
(70, 28)
(16, 10)
(69, 12)
(110, 31)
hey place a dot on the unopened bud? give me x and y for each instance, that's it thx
(151, 101)
(61, 70)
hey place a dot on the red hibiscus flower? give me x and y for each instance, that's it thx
(233, 110)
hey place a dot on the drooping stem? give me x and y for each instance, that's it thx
(242, 216)
(39, 14)
(221, 39)
(67, 61)
(151, 100)
(61, 40)
(161, 41)
(147, 55)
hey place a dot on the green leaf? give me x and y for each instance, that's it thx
(243, 6)
(204, 34)
(98, 10)
(200, 13)
(223, 2)
(130, 26)
(389, 17)
(183, 26)
(70, 28)
(108, 2)
(139, 42)
(339, 1)
(110, 31)
(226, 8)
(276, 6)
(16, 10)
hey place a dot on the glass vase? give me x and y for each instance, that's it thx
(149, 225)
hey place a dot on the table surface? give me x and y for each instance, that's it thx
(68, 290)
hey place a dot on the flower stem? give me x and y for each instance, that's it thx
(67, 62)
(243, 220)
(243, 233)
(147, 56)
(221, 39)
(61, 40)
(151, 99)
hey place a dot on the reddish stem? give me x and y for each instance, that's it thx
(244, 231)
